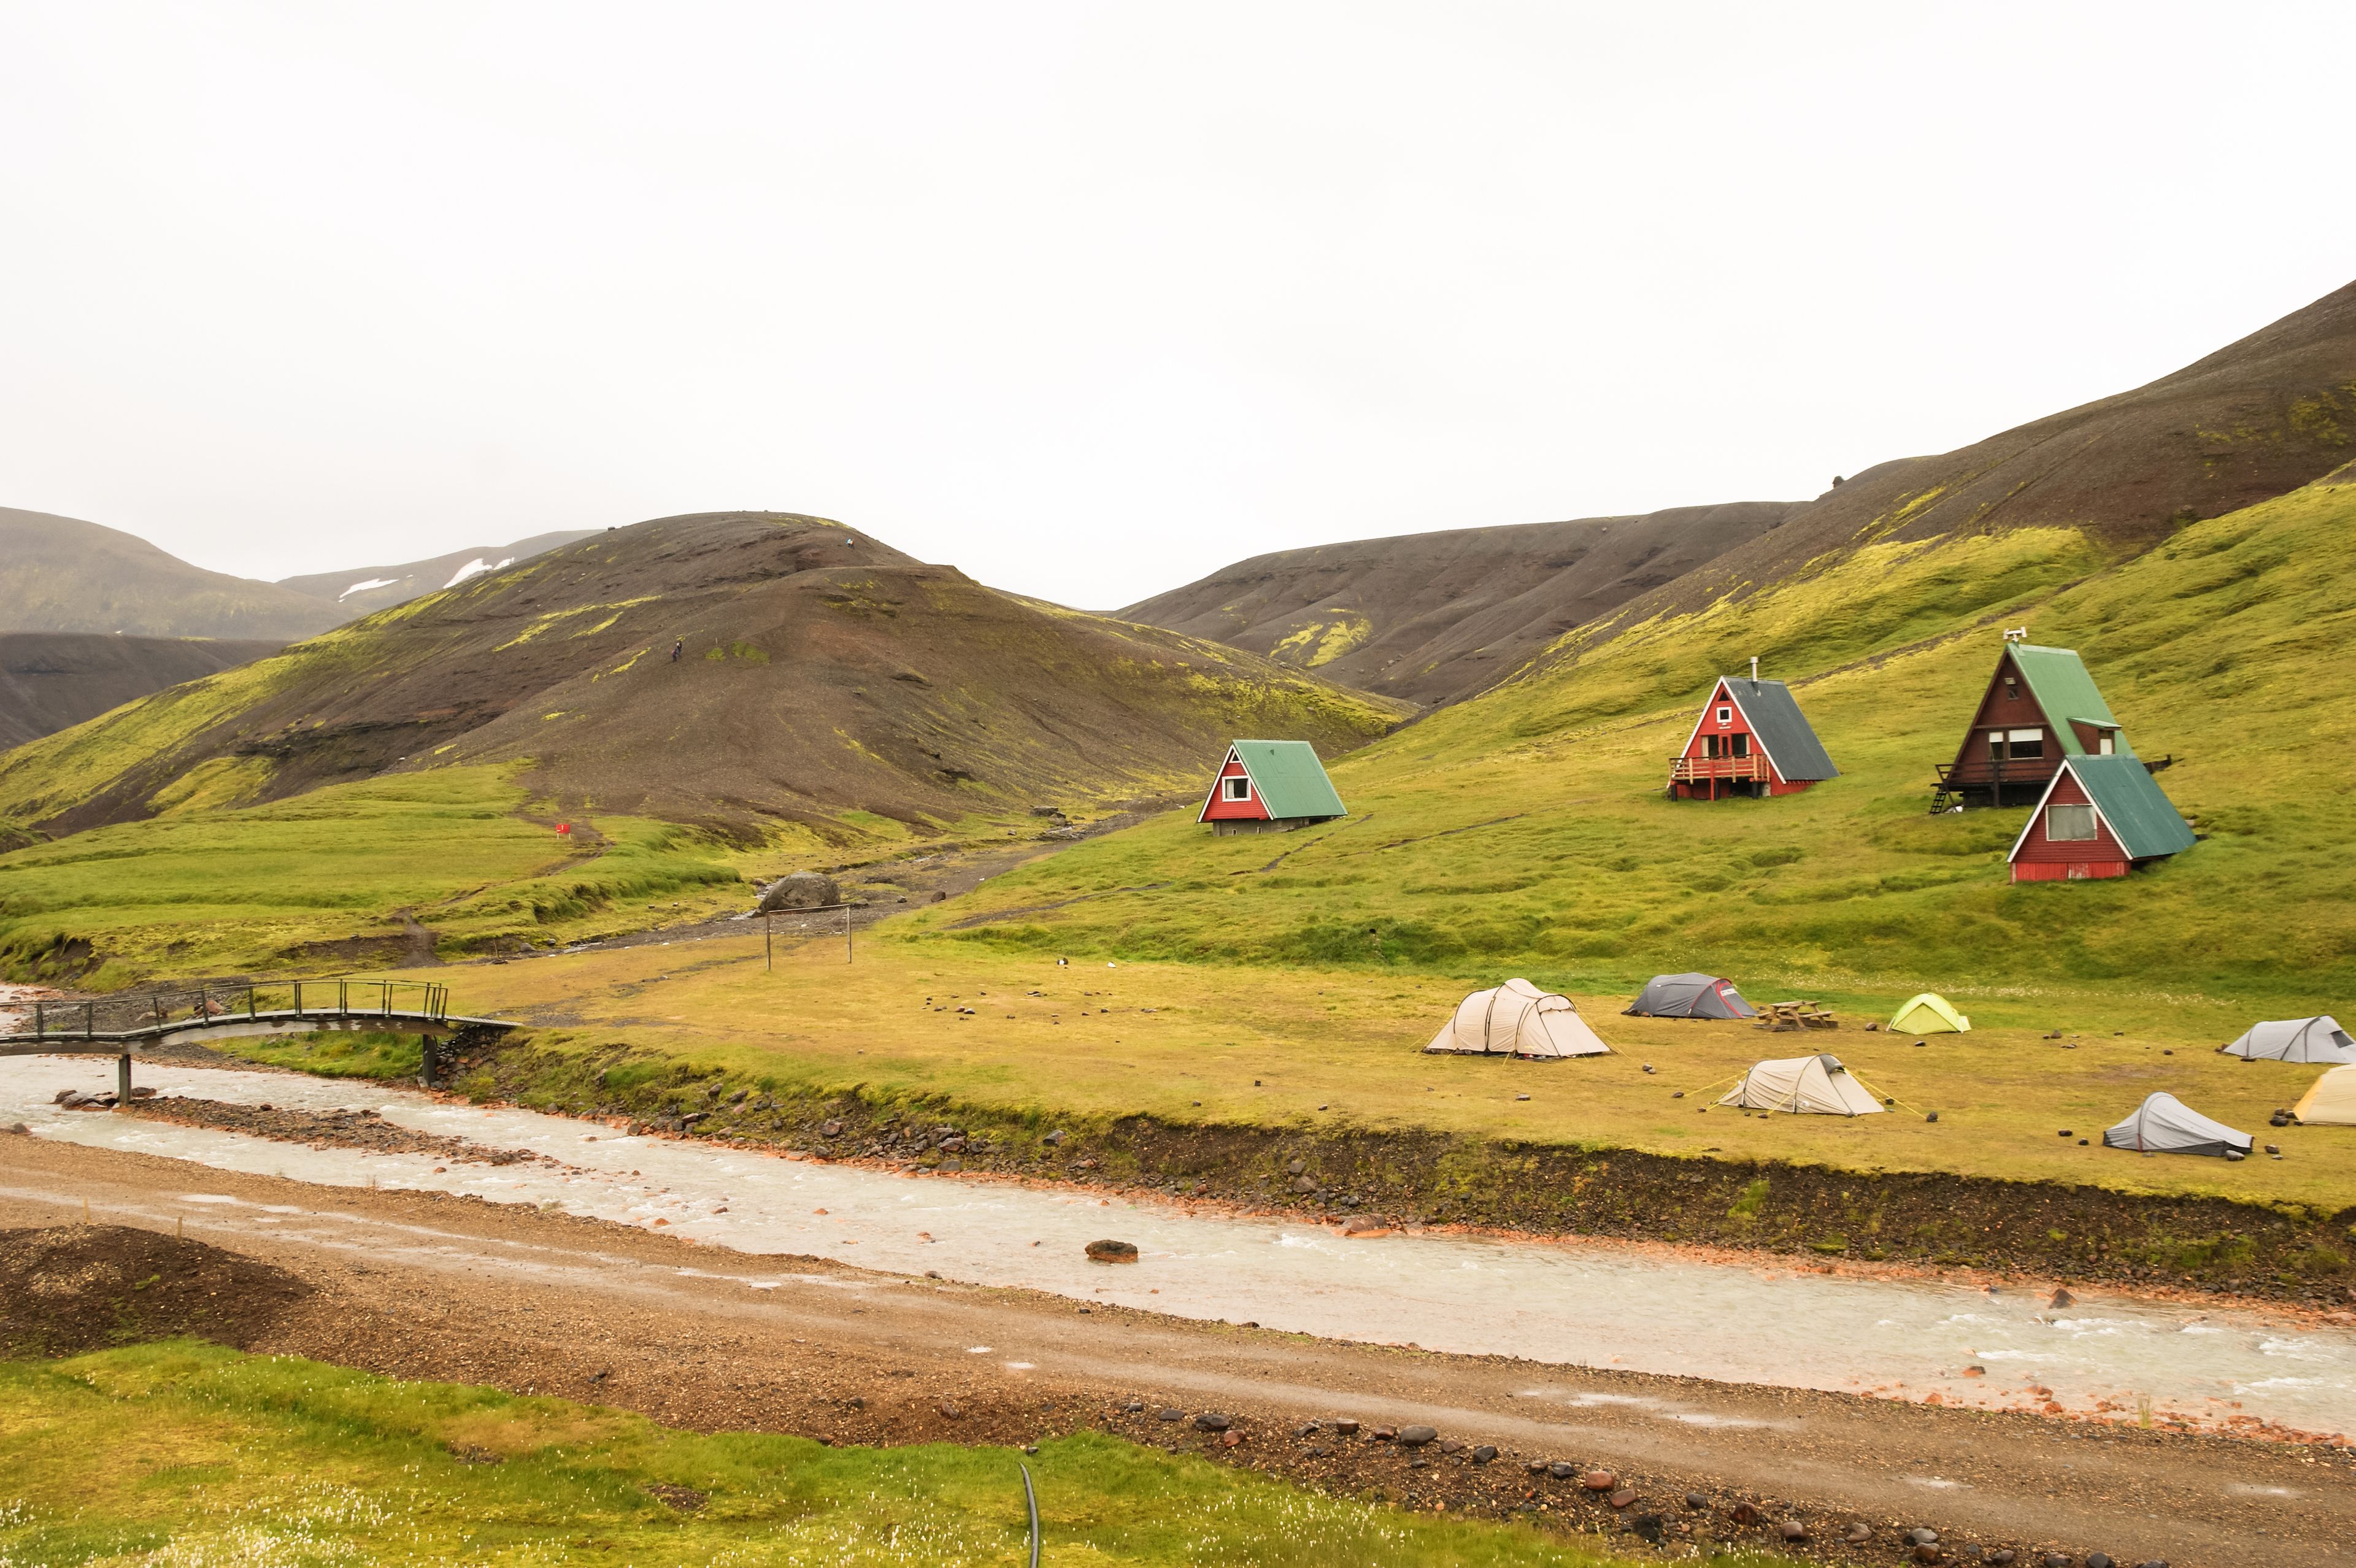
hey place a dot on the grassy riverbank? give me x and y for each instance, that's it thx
(1248, 1046)
(1218, 1082)
(191, 1453)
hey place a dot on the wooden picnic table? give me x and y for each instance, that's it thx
(1782, 1017)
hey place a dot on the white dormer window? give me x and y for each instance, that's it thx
(1237, 787)
(1725, 717)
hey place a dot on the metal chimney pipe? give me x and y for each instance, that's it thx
(1755, 669)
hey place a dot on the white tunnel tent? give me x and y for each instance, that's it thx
(2165, 1125)
(1516, 1018)
(1804, 1085)
(2296, 1039)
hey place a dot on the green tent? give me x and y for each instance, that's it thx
(1929, 1013)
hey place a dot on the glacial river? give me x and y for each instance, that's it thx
(1596, 1304)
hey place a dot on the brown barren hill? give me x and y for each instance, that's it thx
(60, 574)
(818, 672)
(2257, 418)
(360, 590)
(53, 680)
(1434, 617)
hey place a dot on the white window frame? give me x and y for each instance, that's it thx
(1725, 717)
(1230, 792)
(2094, 823)
(2108, 746)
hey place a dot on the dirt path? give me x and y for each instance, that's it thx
(419, 1285)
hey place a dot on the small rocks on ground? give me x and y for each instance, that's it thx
(1112, 1252)
(1212, 1421)
(1168, 1414)
(1623, 1498)
(1416, 1436)
(1792, 1530)
(1600, 1480)
(1561, 1471)
(1346, 1427)
(1695, 1500)
(1483, 1454)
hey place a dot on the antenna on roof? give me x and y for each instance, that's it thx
(1755, 669)
(2017, 635)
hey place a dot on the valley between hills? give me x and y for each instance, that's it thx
(553, 786)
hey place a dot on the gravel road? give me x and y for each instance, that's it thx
(426, 1285)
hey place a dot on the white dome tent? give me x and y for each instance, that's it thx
(1516, 1018)
(1804, 1085)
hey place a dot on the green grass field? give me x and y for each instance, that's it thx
(185, 1454)
(1254, 1045)
(315, 884)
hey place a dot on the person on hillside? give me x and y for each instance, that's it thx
(677, 646)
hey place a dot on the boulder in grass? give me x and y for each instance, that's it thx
(1112, 1252)
(803, 890)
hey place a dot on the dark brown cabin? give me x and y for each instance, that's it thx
(2040, 708)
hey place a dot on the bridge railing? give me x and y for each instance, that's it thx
(343, 1000)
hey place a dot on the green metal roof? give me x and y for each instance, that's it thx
(2131, 801)
(2057, 681)
(1292, 781)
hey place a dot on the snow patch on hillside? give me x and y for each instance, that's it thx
(475, 568)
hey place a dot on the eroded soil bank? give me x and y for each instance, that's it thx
(2039, 1230)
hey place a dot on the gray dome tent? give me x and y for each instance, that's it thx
(2294, 1040)
(1691, 996)
(2165, 1125)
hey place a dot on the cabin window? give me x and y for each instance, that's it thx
(1238, 788)
(1742, 747)
(1726, 716)
(2069, 824)
(2025, 743)
(2011, 689)
(2106, 745)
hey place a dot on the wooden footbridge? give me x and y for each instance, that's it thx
(131, 1024)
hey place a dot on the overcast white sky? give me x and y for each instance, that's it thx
(1091, 299)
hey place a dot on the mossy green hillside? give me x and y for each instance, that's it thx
(187, 1453)
(323, 881)
(1526, 830)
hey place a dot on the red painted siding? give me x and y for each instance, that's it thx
(2042, 859)
(1221, 810)
(1711, 731)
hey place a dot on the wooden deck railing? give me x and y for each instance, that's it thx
(1687, 769)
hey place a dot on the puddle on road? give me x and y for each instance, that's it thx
(1590, 1303)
